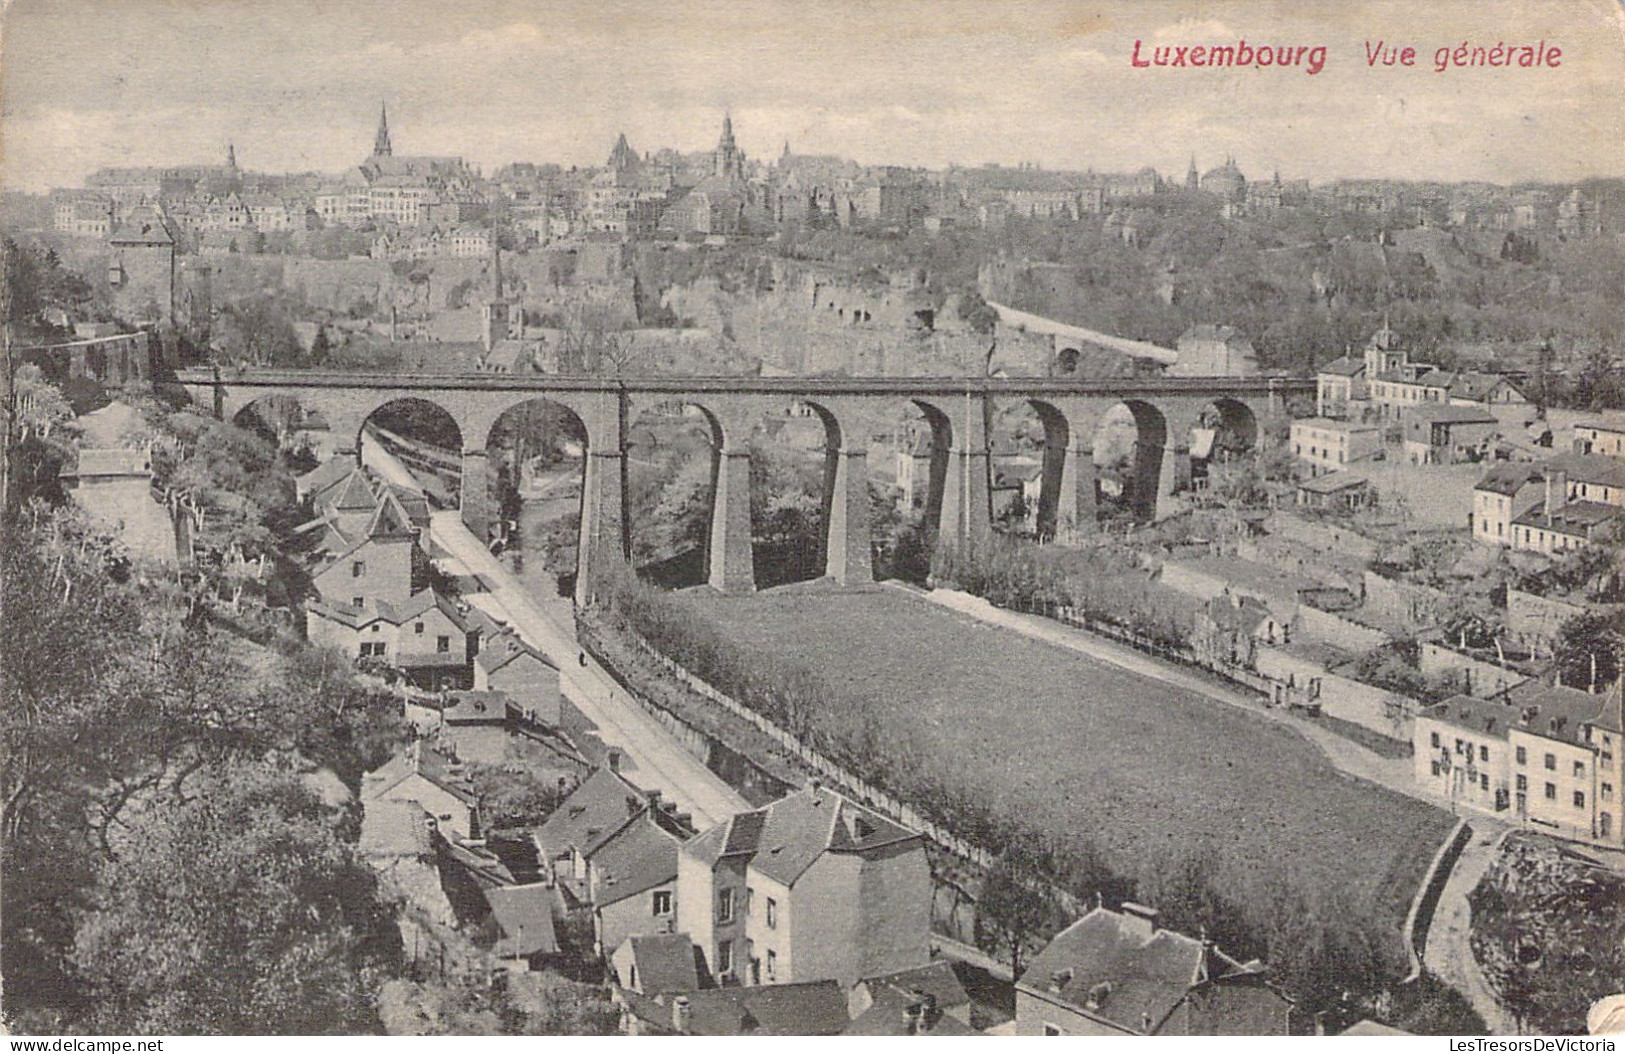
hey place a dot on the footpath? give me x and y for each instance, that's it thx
(657, 760)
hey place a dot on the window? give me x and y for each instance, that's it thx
(442, 644)
(772, 964)
(725, 957)
(1579, 769)
(1607, 792)
(1523, 756)
(1484, 781)
(662, 902)
(1435, 768)
(1483, 753)
(358, 569)
(1551, 792)
(1551, 762)
(1579, 799)
(725, 905)
(1608, 757)
(357, 602)
(1434, 739)
(772, 914)
(1459, 746)
(1523, 783)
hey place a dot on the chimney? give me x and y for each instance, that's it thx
(679, 1014)
(913, 1014)
(1557, 490)
(1139, 921)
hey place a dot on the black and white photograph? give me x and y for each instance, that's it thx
(812, 518)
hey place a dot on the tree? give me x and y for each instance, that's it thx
(1588, 649)
(1014, 908)
(237, 911)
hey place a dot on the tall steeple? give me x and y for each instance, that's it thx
(730, 163)
(1192, 180)
(231, 155)
(380, 145)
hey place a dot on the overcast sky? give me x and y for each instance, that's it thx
(296, 84)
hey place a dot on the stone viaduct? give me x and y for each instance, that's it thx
(958, 411)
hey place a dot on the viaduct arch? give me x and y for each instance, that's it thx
(958, 410)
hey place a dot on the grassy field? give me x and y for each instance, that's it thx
(1147, 770)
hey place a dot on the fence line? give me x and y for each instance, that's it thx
(862, 790)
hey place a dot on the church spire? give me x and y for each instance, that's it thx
(231, 155)
(380, 145)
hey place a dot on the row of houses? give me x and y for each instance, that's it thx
(1543, 755)
(378, 601)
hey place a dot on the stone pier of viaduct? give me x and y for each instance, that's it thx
(958, 410)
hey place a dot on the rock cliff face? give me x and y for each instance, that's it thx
(810, 322)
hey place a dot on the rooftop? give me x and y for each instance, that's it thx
(524, 919)
(1117, 968)
(784, 838)
(665, 962)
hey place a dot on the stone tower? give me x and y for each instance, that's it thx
(496, 315)
(380, 144)
(730, 161)
(141, 266)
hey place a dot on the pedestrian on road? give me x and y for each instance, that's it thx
(583, 659)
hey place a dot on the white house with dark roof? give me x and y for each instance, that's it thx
(809, 887)
(632, 878)
(1542, 755)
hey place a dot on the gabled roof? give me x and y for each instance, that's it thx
(784, 838)
(507, 647)
(524, 918)
(1577, 518)
(1239, 1003)
(418, 759)
(330, 472)
(593, 811)
(1473, 385)
(817, 1008)
(665, 963)
(396, 828)
(144, 225)
(1240, 614)
(1590, 468)
(353, 495)
(899, 1012)
(390, 522)
(1101, 966)
(1445, 413)
(1510, 477)
(1344, 366)
(1333, 482)
(638, 857)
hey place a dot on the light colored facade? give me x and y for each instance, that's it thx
(1560, 523)
(1328, 445)
(1543, 756)
(811, 887)
(1603, 435)
(1505, 493)
(1437, 433)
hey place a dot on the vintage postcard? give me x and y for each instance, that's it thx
(812, 518)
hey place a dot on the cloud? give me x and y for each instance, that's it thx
(1195, 29)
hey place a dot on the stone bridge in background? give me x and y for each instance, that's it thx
(959, 412)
